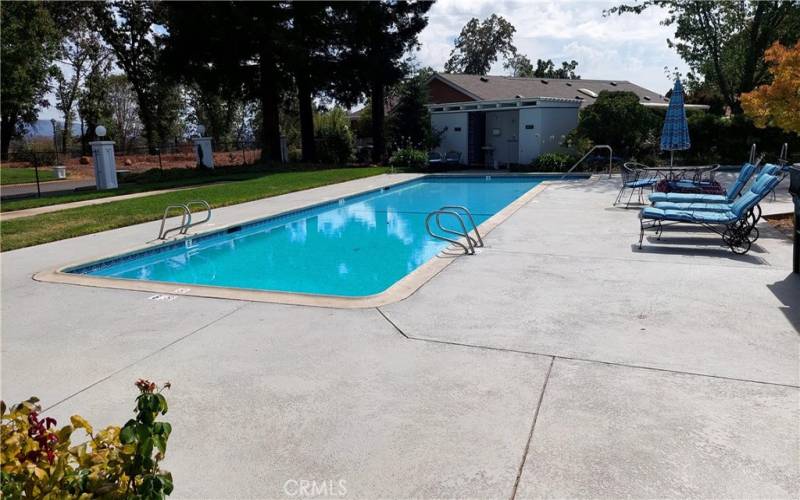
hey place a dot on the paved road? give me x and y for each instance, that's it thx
(14, 190)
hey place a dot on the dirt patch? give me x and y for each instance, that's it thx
(142, 162)
(783, 223)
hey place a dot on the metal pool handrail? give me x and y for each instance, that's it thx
(598, 146)
(469, 249)
(475, 242)
(192, 224)
(185, 219)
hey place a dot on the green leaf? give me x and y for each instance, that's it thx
(160, 443)
(127, 435)
(162, 401)
(146, 448)
(162, 428)
(166, 480)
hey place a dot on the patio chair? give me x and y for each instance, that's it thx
(736, 226)
(452, 158)
(734, 188)
(434, 159)
(635, 177)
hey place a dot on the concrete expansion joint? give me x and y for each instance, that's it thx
(533, 427)
(129, 365)
(584, 360)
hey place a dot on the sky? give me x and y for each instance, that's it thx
(629, 47)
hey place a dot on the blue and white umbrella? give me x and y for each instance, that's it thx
(675, 134)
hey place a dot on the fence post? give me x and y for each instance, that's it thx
(160, 165)
(36, 173)
(244, 157)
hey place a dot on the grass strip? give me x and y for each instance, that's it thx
(44, 228)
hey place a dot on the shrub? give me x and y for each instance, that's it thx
(335, 143)
(617, 119)
(553, 162)
(39, 460)
(409, 159)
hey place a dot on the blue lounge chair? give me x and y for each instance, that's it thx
(634, 178)
(730, 195)
(709, 206)
(736, 226)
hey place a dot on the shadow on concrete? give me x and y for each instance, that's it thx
(788, 292)
(721, 252)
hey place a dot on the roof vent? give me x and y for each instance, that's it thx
(545, 82)
(613, 84)
(587, 92)
(646, 98)
(568, 84)
(579, 97)
(484, 79)
(519, 96)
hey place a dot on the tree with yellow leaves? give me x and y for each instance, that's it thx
(777, 104)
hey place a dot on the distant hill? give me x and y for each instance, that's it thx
(43, 128)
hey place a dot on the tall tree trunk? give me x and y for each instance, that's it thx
(6, 133)
(270, 126)
(306, 117)
(378, 141)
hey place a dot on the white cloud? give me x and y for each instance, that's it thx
(629, 47)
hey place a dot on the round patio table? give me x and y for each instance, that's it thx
(672, 172)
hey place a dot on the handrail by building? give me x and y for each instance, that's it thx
(597, 146)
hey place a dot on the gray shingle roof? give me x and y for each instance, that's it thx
(493, 88)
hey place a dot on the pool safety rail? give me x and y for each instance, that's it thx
(186, 218)
(456, 213)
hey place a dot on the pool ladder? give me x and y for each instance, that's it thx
(186, 218)
(455, 212)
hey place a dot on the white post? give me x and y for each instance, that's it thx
(203, 151)
(105, 166)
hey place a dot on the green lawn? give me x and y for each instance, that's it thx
(23, 175)
(37, 229)
(151, 181)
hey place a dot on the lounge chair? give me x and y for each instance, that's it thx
(734, 189)
(634, 178)
(434, 159)
(736, 226)
(452, 158)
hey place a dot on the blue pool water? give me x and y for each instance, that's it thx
(357, 246)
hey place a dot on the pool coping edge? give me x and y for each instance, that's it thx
(400, 290)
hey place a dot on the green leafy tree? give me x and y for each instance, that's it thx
(724, 42)
(547, 69)
(30, 43)
(410, 120)
(128, 27)
(94, 105)
(617, 119)
(479, 45)
(333, 132)
(374, 37)
(520, 66)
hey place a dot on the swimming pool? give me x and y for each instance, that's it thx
(352, 247)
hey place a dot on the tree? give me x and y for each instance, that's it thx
(93, 103)
(410, 119)
(479, 45)
(333, 130)
(374, 36)
(520, 66)
(617, 119)
(127, 26)
(546, 69)
(30, 43)
(724, 42)
(778, 104)
(124, 112)
(235, 48)
(218, 113)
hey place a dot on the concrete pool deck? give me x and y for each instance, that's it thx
(561, 361)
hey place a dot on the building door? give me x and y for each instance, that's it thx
(476, 131)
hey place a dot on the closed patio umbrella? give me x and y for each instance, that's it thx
(675, 134)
